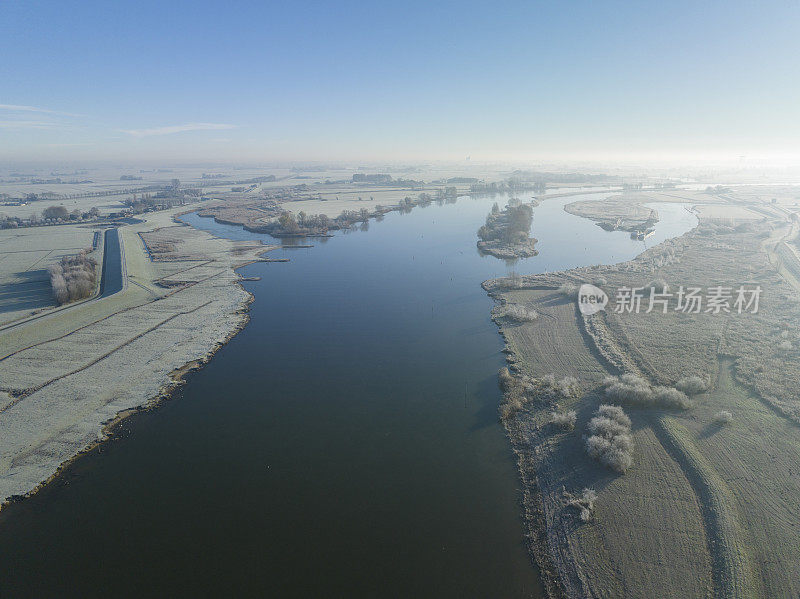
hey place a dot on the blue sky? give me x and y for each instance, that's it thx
(385, 81)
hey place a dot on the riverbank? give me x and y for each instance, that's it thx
(119, 353)
(709, 534)
(309, 425)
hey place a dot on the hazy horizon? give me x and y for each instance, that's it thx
(611, 84)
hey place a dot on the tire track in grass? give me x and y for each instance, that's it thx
(732, 572)
(112, 315)
(27, 392)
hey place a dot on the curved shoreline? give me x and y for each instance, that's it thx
(66, 426)
(109, 428)
(560, 577)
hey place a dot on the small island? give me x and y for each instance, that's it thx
(618, 213)
(506, 233)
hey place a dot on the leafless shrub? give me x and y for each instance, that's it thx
(569, 387)
(630, 389)
(512, 404)
(73, 278)
(634, 390)
(609, 380)
(513, 393)
(565, 420)
(584, 503)
(614, 453)
(691, 385)
(606, 427)
(610, 442)
(519, 389)
(516, 312)
(549, 380)
(505, 379)
(550, 386)
(723, 417)
(671, 397)
(569, 290)
(614, 413)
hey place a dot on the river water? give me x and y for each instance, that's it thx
(345, 443)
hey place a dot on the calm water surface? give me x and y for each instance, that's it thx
(346, 443)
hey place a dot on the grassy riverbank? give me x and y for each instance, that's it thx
(691, 517)
(180, 304)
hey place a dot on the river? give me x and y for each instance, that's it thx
(345, 443)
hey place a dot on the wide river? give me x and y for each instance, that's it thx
(345, 443)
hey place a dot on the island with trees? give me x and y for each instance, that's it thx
(506, 233)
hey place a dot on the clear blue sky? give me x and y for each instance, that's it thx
(397, 80)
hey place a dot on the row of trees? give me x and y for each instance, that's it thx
(161, 201)
(512, 185)
(319, 224)
(50, 215)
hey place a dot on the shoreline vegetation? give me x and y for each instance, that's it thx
(506, 233)
(273, 219)
(606, 526)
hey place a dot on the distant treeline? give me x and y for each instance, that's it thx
(385, 179)
(564, 177)
(49, 216)
(507, 186)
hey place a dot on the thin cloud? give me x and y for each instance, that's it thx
(27, 125)
(21, 108)
(178, 129)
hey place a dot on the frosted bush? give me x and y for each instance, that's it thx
(518, 313)
(723, 417)
(569, 290)
(584, 503)
(610, 442)
(691, 385)
(633, 390)
(565, 420)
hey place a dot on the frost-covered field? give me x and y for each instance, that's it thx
(709, 503)
(64, 377)
(25, 255)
